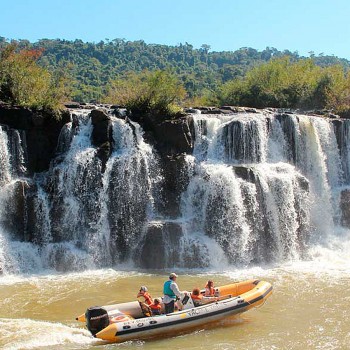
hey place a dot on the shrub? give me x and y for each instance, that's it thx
(158, 92)
(287, 84)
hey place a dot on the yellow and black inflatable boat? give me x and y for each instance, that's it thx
(127, 321)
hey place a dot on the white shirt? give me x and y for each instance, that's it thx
(174, 287)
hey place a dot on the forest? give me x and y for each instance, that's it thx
(62, 70)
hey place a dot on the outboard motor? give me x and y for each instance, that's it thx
(96, 319)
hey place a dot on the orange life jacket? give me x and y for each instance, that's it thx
(155, 308)
(209, 291)
(197, 297)
(147, 297)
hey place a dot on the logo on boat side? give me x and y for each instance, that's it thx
(194, 312)
(97, 317)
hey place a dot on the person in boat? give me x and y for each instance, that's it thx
(199, 299)
(156, 307)
(209, 289)
(171, 292)
(144, 296)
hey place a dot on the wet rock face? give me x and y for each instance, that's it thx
(173, 137)
(242, 141)
(42, 131)
(102, 135)
(164, 245)
(176, 179)
(168, 136)
(345, 208)
(14, 213)
(160, 246)
(101, 122)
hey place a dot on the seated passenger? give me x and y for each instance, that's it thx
(199, 299)
(156, 307)
(144, 296)
(209, 289)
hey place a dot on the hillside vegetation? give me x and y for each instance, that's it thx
(118, 70)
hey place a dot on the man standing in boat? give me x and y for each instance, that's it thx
(171, 291)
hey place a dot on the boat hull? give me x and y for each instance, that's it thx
(254, 293)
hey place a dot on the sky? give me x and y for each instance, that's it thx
(305, 26)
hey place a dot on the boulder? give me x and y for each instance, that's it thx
(345, 207)
(160, 246)
(102, 134)
(173, 137)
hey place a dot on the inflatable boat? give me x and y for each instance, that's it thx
(132, 320)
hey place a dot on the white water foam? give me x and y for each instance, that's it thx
(20, 334)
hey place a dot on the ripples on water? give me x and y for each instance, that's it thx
(309, 309)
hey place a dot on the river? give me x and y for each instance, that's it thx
(309, 308)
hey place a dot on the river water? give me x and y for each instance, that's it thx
(309, 308)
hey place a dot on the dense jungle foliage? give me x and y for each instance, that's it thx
(115, 70)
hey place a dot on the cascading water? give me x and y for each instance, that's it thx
(264, 186)
(12, 164)
(260, 188)
(80, 217)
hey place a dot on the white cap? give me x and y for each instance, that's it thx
(172, 275)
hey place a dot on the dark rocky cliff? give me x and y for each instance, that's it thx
(42, 131)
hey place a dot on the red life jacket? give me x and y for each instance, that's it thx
(146, 296)
(155, 308)
(209, 291)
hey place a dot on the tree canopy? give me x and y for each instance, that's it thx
(94, 65)
(246, 76)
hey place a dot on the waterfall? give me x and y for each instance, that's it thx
(96, 218)
(264, 185)
(14, 255)
(5, 167)
(77, 216)
(258, 188)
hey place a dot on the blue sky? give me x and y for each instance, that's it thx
(321, 26)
